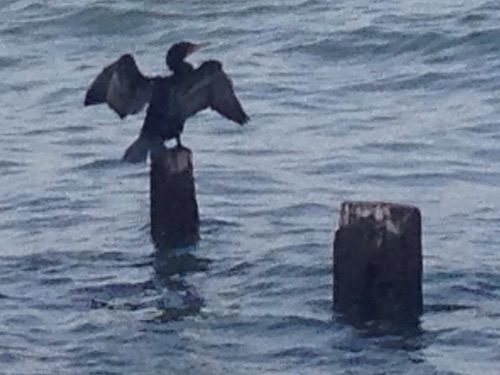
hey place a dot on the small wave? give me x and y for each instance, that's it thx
(39, 262)
(396, 146)
(103, 164)
(43, 203)
(49, 222)
(87, 21)
(428, 80)
(490, 155)
(29, 85)
(249, 10)
(9, 167)
(479, 177)
(439, 308)
(72, 129)
(307, 209)
(409, 179)
(473, 18)
(375, 42)
(8, 62)
(242, 268)
(109, 291)
(4, 296)
(82, 141)
(216, 226)
(295, 270)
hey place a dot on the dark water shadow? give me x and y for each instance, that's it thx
(410, 341)
(409, 337)
(380, 328)
(166, 291)
(100, 165)
(171, 266)
(441, 307)
(168, 264)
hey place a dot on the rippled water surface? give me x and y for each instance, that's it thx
(372, 100)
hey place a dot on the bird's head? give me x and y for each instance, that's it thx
(179, 51)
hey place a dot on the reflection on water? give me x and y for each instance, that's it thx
(167, 292)
(170, 271)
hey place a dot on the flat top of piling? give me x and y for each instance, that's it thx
(391, 215)
(174, 160)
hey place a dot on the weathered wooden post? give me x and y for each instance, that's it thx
(174, 210)
(377, 262)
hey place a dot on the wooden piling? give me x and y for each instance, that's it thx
(377, 262)
(174, 209)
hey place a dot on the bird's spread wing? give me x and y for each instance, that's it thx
(122, 86)
(223, 99)
(96, 94)
(210, 87)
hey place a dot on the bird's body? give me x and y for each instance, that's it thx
(172, 99)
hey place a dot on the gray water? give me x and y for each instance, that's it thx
(371, 100)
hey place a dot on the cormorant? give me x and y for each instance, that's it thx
(172, 100)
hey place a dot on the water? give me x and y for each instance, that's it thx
(384, 100)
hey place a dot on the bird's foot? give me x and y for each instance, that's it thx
(180, 145)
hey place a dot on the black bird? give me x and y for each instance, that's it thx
(172, 100)
(126, 89)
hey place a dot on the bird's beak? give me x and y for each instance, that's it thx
(195, 47)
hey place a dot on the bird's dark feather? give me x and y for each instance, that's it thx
(175, 100)
(122, 86)
(210, 87)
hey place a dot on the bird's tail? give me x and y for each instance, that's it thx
(137, 152)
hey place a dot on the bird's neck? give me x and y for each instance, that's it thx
(180, 68)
